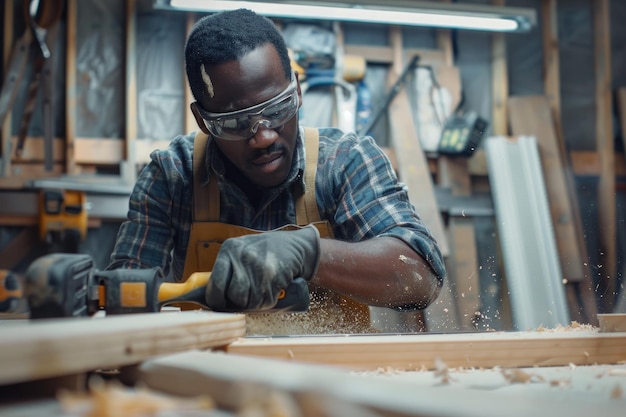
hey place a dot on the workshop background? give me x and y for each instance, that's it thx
(118, 91)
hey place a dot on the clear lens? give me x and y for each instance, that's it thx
(239, 125)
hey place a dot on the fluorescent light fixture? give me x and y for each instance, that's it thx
(443, 15)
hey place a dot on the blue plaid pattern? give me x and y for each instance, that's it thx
(357, 191)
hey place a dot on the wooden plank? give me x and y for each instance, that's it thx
(462, 265)
(500, 84)
(551, 64)
(70, 88)
(531, 115)
(412, 165)
(5, 128)
(621, 106)
(385, 54)
(587, 163)
(552, 87)
(607, 206)
(552, 347)
(19, 246)
(98, 151)
(33, 150)
(32, 350)
(129, 168)
(246, 385)
(610, 323)
(190, 123)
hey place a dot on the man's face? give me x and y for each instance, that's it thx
(259, 134)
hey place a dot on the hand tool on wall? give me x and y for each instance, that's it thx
(390, 96)
(41, 17)
(65, 285)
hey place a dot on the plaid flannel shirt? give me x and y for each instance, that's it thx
(357, 191)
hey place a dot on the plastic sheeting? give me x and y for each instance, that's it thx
(161, 77)
(100, 39)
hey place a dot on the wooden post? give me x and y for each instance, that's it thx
(462, 264)
(70, 88)
(604, 142)
(584, 288)
(130, 134)
(6, 48)
(190, 121)
(500, 82)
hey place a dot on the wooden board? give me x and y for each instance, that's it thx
(31, 350)
(413, 168)
(532, 115)
(296, 389)
(610, 323)
(462, 265)
(421, 351)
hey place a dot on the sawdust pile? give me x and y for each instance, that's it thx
(328, 313)
(574, 326)
(114, 400)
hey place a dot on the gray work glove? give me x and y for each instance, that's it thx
(250, 271)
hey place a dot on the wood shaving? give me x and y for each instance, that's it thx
(276, 404)
(114, 400)
(518, 376)
(617, 392)
(442, 372)
(566, 382)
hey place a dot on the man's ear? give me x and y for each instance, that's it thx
(199, 120)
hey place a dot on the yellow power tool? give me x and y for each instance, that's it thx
(68, 284)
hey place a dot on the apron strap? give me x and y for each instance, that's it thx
(306, 204)
(206, 202)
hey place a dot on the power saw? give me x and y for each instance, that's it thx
(68, 284)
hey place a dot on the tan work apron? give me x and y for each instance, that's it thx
(329, 312)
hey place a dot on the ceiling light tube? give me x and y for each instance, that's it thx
(367, 14)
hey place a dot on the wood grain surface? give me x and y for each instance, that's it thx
(31, 350)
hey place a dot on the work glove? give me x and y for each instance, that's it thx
(250, 271)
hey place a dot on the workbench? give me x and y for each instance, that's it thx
(573, 371)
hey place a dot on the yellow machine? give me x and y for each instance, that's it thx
(62, 215)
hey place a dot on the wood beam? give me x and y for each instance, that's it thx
(607, 275)
(584, 291)
(8, 38)
(70, 89)
(33, 350)
(532, 116)
(280, 387)
(190, 121)
(385, 54)
(552, 347)
(462, 265)
(130, 126)
(500, 84)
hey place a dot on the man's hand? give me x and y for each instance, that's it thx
(250, 270)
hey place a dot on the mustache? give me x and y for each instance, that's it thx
(274, 147)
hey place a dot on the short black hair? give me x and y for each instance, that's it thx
(228, 36)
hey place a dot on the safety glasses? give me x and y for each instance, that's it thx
(243, 124)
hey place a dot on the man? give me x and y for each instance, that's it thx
(254, 169)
